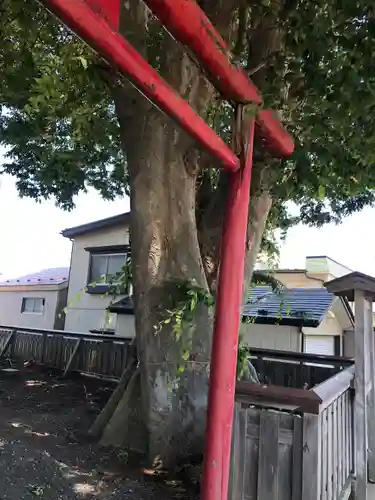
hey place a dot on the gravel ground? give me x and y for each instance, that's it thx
(43, 450)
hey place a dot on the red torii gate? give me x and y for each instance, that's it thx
(97, 23)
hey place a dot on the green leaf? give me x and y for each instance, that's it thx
(185, 355)
(83, 61)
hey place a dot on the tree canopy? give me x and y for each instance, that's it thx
(60, 126)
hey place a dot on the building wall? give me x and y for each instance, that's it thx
(288, 337)
(62, 300)
(283, 338)
(325, 265)
(349, 344)
(125, 325)
(86, 311)
(329, 326)
(300, 279)
(11, 303)
(317, 271)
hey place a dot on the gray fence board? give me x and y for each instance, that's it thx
(98, 355)
(269, 464)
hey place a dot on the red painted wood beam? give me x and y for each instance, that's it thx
(186, 21)
(109, 10)
(226, 327)
(112, 46)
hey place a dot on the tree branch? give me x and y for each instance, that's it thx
(243, 15)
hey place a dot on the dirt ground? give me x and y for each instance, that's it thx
(44, 452)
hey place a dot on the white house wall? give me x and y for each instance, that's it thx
(283, 338)
(300, 280)
(125, 325)
(11, 304)
(329, 326)
(88, 311)
(317, 271)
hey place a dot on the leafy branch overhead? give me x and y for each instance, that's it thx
(313, 62)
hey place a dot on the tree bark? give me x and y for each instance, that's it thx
(169, 244)
(165, 248)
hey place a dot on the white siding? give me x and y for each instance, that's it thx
(125, 325)
(86, 311)
(325, 265)
(284, 338)
(319, 344)
(317, 265)
(11, 303)
(300, 280)
(329, 326)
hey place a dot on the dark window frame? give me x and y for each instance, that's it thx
(23, 305)
(105, 251)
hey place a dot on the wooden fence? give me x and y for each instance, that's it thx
(266, 455)
(96, 354)
(289, 443)
(294, 369)
(332, 433)
(292, 444)
(107, 355)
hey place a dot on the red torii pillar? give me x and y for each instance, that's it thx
(97, 22)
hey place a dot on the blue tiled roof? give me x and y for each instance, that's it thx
(305, 305)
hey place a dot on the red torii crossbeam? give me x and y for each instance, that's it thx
(97, 23)
(186, 21)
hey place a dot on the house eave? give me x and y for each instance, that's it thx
(34, 288)
(270, 320)
(91, 227)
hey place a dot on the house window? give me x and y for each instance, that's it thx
(106, 268)
(33, 305)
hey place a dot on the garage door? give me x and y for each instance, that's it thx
(319, 344)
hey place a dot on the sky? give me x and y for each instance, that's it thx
(31, 239)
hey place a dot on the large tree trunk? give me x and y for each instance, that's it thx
(168, 244)
(165, 248)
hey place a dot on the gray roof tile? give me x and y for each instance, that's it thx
(309, 305)
(55, 276)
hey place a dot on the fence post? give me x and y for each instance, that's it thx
(360, 403)
(9, 343)
(73, 356)
(311, 466)
(44, 344)
(371, 399)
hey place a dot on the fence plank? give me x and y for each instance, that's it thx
(233, 493)
(100, 354)
(334, 449)
(43, 348)
(324, 454)
(75, 352)
(311, 456)
(340, 454)
(268, 456)
(346, 436)
(297, 458)
(329, 455)
(249, 427)
(8, 342)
